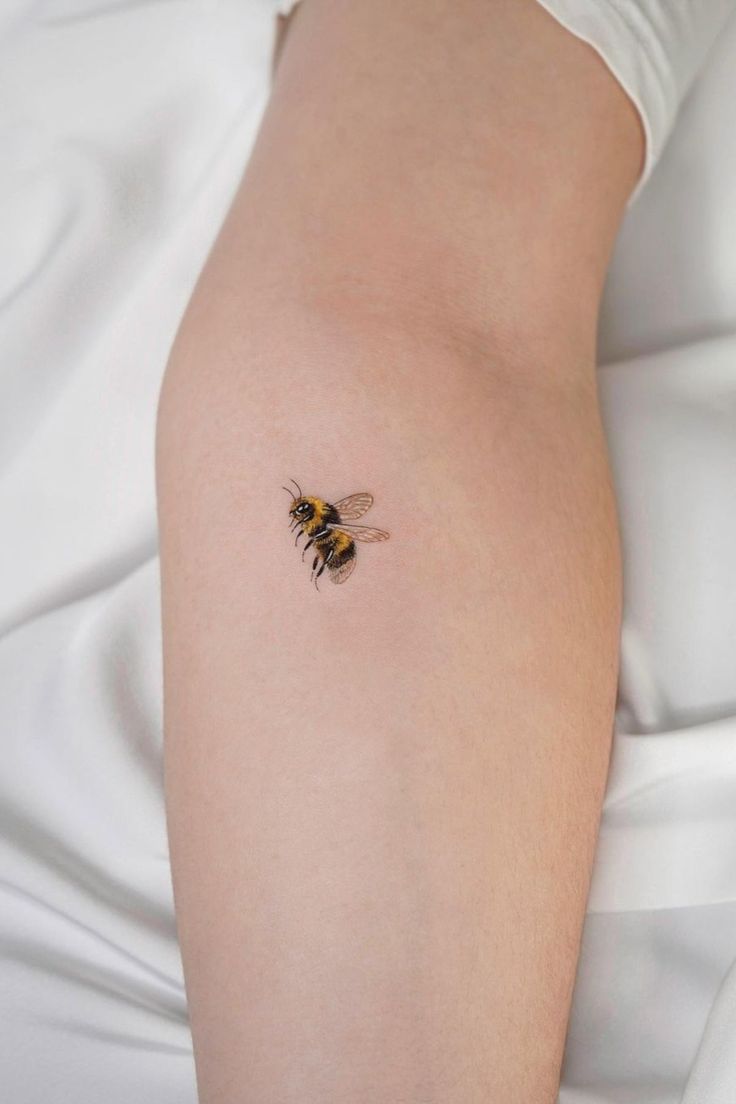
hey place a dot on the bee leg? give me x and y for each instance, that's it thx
(299, 534)
(327, 559)
(325, 532)
(306, 546)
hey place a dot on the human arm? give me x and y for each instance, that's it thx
(383, 797)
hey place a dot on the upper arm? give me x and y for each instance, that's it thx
(464, 162)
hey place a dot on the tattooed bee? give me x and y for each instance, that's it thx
(330, 529)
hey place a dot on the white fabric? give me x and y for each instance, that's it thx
(125, 128)
(655, 48)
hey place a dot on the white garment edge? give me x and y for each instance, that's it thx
(653, 52)
(603, 28)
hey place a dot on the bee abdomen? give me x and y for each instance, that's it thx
(342, 552)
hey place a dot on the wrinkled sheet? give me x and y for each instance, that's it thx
(124, 128)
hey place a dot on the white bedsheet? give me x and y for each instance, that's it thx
(123, 131)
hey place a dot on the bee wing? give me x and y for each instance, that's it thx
(340, 573)
(361, 532)
(354, 506)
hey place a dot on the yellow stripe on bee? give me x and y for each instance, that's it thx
(340, 541)
(315, 523)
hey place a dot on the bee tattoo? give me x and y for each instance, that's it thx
(331, 530)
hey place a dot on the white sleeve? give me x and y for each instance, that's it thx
(284, 7)
(654, 48)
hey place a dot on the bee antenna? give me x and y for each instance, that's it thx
(291, 493)
(297, 487)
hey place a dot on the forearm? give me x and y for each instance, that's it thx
(383, 797)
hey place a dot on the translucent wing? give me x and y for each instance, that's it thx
(343, 571)
(361, 532)
(354, 506)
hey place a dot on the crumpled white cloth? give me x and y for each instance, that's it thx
(124, 128)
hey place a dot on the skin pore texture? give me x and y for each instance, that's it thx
(383, 797)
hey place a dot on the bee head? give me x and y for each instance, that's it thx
(301, 508)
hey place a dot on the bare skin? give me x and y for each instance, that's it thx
(383, 798)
